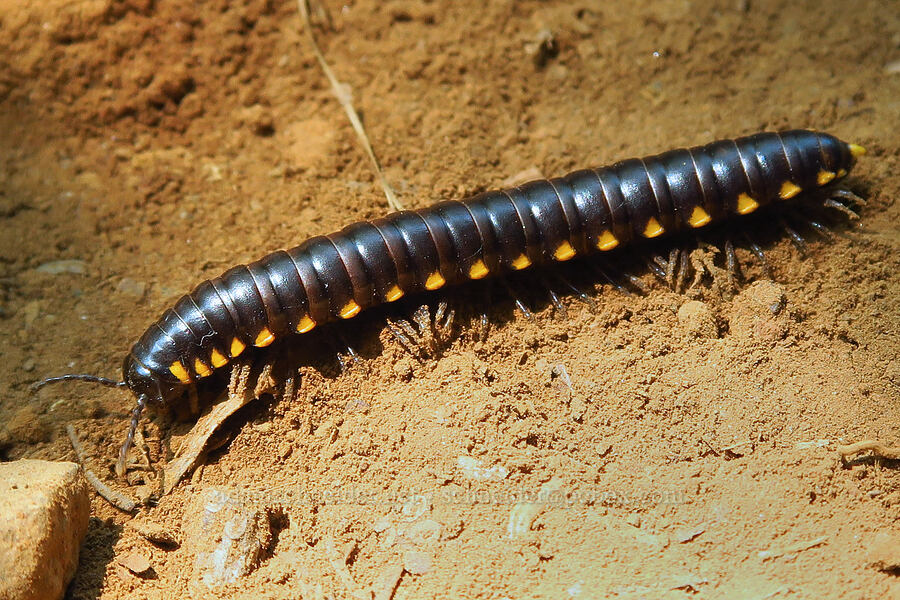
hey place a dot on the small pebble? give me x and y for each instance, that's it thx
(136, 562)
(28, 365)
(57, 267)
(131, 287)
(417, 563)
(155, 533)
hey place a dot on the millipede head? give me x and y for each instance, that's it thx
(145, 385)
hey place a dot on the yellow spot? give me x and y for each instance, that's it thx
(305, 324)
(350, 309)
(264, 338)
(607, 241)
(180, 372)
(434, 281)
(746, 204)
(565, 251)
(395, 293)
(653, 228)
(856, 150)
(824, 177)
(789, 189)
(699, 217)
(202, 368)
(841, 172)
(478, 270)
(217, 359)
(237, 346)
(521, 263)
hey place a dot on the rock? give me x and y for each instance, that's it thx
(131, 287)
(698, 320)
(259, 119)
(44, 512)
(58, 267)
(417, 563)
(225, 537)
(137, 562)
(759, 313)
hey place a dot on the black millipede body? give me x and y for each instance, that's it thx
(370, 263)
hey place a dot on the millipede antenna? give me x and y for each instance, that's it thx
(132, 428)
(78, 377)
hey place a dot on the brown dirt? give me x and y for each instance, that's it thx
(159, 143)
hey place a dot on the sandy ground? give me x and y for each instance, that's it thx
(154, 144)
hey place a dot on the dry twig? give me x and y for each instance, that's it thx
(343, 97)
(117, 499)
(878, 449)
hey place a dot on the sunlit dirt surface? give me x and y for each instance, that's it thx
(155, 144)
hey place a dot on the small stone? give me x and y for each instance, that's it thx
(155, 533)
(698, 320)
(58, 267)
(259, 119)
(28, 365)
(136, 562)
(131, 287)
(416, 562)
(44, 513)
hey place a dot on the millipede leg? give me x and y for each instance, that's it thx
(407, 344)
(351, 352)
(343, 362)
(600, 271)
(485, 320)
(638, 283)
(129, 438)
(412, 336)
(519, 304)
(760, 256)
(731, 265)
(832, 203)
(684, 269)
(671, 267)
(440, 312)
(821, 229)
(579, 294)
(848, 196)
(558, 306)
(658, 266)
(443, 322)
(795, 237)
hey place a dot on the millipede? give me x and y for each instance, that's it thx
(370, 263)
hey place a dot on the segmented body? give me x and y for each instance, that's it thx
(370, 263)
